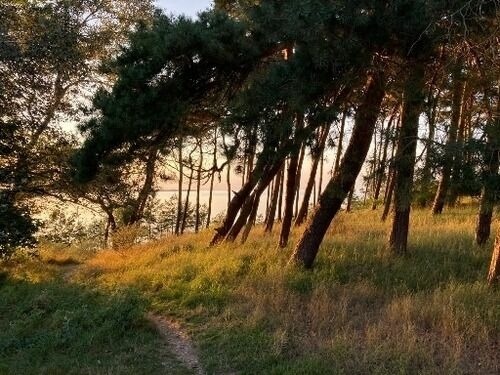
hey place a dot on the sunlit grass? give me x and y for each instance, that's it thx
(361, 310)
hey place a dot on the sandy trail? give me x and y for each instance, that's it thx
(178, 342)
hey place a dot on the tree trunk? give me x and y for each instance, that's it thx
(110, 226)
(188, 193)
(251, 220)
(341, 143)
(344, 179)
(291, 188)
(179, 198)
(298, 179)
(350, 198)
(237, 202)
(280, 200)
(389, 188)
(450, 147)
(140, 203)
(405, 158)
(228, 183)
(319, 190)
(253, 200)
(302, 214)
(244, 166)
(490, 187)
(268, 201)
(432, 109)
(383, 161)
(494, 272)
(198, 188)
(212, 180)
(458, 161)
(388, 199)
(274, 201)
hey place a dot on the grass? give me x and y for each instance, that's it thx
(360, 311)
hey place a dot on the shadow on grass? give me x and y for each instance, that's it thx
(57, 328)
(427, 266)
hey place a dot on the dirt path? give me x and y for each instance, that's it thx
(178, 342)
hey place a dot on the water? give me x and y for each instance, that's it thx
(219, 199)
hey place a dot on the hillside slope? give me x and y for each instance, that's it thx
(359, 311)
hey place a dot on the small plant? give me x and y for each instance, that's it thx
(127, 236)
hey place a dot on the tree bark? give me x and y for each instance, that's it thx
(432, 109)
(340, 146)
(253, 200)
(458, 161)
(298, 179)
(350, 197)
(188, 193)
(405, 158)
(449, 152)
(179, 192)
(147, 187)
(237, 202)
(389, 195)
(490, 186)
(228, 183)
(291, 188)
(344, 179)
(280, 200)
(212, 180)
(110, 226)
(302, 214)
(383, 162)
(198, 188)
(319, 189)
(494, 272)
(274, 202)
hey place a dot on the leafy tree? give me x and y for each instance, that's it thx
(49, 58)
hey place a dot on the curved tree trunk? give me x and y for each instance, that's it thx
(253, 201)
(147, 187)
(405, 158)
(344, 179)
(237, 202)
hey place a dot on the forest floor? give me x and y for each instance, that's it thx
(178, 307)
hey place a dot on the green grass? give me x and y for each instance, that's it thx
(360, 311)
(48, 326)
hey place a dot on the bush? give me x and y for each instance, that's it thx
(16, 227)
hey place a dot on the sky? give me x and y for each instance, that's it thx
(186, 7)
